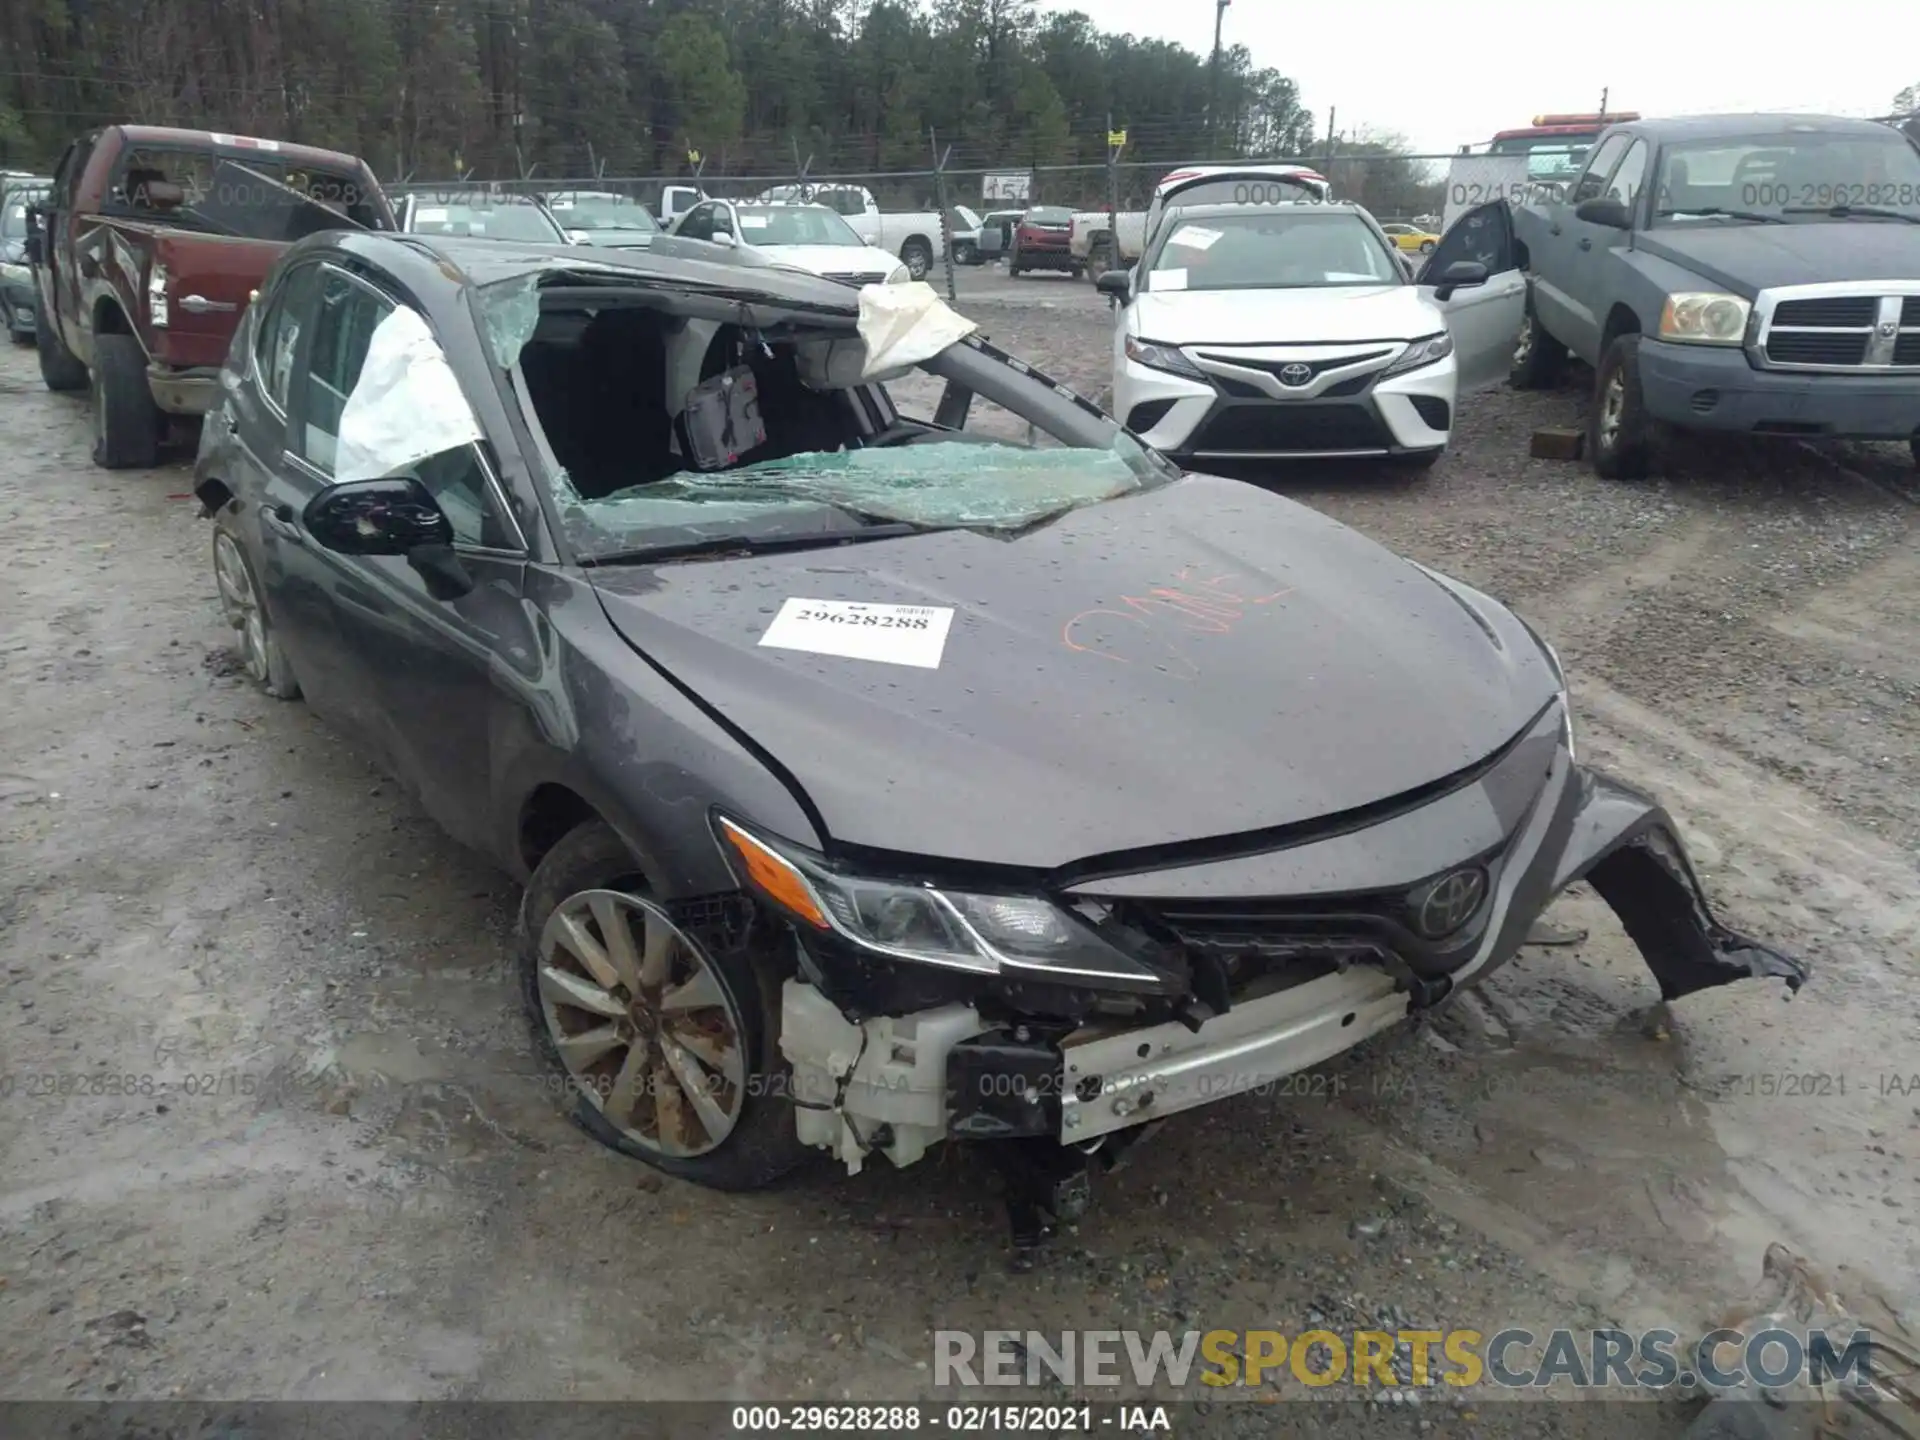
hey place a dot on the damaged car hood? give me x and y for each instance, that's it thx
(1198, 661)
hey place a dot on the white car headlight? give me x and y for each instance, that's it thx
(1705, 317)
(900, 276)
(1167, 358)
(987, 935)
(1424, 351)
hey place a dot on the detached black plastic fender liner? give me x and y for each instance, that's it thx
(1625, 845)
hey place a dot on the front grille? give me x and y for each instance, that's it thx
(1281, 427)
(1843, 332)
(876, 277)
(1315, 368)
(1835, 311)
(1817, 347)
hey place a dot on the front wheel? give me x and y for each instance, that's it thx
(665, 1046)
(1426, 247)
(1620, 432)
(966, 255)
(917, 257)
(260, 653)
(1099, 257)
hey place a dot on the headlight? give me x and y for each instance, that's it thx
(1162, 357)
(1020, 936)
(900, 276)
(1704, 317)
(157, 295)
(18, 274)
(1424, 351)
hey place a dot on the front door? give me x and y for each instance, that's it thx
(1484, 320)
(422, 668)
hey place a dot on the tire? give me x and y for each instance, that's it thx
(1099, 258)
(1078, 272)
(917, 256)
(1539, 360)
(1426, 247)
(127, 425)
(1619, 432)
(1418, 461)
(761, 1146)
(246, 611)
(19, 337)
(966, 255)
(59, 366)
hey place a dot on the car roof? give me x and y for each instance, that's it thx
(161, 135)
(414, 258)
(1742, 127)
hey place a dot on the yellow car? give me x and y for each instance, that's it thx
(1411, 237)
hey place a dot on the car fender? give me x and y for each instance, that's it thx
(640, 750)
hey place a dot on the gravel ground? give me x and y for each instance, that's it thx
(367, 1191)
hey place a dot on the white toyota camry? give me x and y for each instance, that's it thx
(1294, 331)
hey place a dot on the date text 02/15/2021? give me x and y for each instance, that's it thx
(952, 1419)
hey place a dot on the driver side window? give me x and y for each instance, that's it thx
(287, 312)
(1599, 166)
(699, 223)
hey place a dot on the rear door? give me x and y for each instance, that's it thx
(1484, 320)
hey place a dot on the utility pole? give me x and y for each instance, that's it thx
(1213, 82)
(1603, 102)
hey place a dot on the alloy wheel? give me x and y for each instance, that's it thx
(642, 1022)
(240, 604)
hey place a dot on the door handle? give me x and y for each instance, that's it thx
(279, 519)
(1586, 244)
(1554, 229)
(200, 305)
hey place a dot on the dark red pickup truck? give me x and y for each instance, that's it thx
(146, 251)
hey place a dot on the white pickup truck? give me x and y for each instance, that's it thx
(913, 236)
(1107, 242)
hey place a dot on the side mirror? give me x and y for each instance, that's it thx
(1117, 283)
(1605, 210)
(392, 516)
(579, 237)
(724, 237)
(1460, 275)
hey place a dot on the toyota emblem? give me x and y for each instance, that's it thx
(1296, 374)
(1450, 902)
(1889, 329)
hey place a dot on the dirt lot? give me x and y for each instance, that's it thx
(365, 1190)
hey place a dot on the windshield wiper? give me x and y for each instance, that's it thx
(1847, 212)
(1759, 217)
(753, 544)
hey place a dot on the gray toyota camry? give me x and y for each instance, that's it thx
(893, 749)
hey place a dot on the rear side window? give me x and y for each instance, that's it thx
(348, 311)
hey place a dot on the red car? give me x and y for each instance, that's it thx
(1043, 240)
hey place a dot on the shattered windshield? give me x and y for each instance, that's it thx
(693, 422)
(794, 225)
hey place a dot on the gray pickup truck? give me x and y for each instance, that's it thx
(1745, 273)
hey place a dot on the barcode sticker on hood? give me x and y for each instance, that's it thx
(891, 634)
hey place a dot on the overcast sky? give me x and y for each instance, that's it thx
(1445, 74)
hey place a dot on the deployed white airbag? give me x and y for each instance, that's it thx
(902, 325)
(406, 405)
